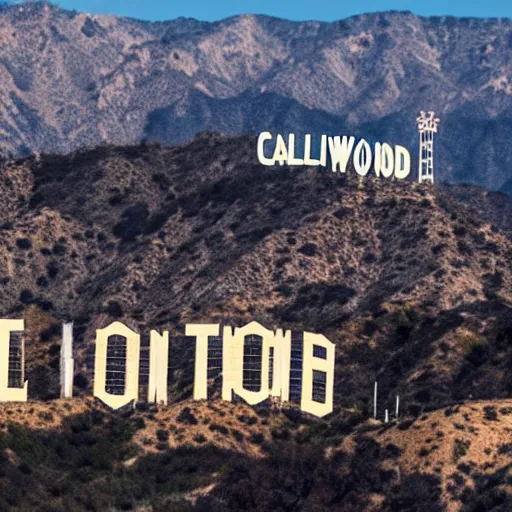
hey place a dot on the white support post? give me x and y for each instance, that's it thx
(386, 417)
(67, 363)
(397, 406)
(375, 400)
(158, 367)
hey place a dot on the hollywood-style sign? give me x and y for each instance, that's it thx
(253, 363)
(383, 160)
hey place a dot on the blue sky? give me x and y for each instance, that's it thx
(327, 10)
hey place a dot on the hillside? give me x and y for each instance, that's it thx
(411, 286)
(219, 456)
(489, 206)
(70, 80)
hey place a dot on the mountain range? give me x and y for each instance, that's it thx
(70, 80)
(119, 201)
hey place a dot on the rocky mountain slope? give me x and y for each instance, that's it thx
(412, 285)
(69, 80)
(489, 206)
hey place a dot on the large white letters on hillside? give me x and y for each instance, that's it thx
(273, 374)
(8, 394)
(130, 376)
(384, 160)
(255, 365)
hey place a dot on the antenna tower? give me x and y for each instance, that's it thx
(427, 126)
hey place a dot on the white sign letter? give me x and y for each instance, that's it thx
(340, 152)
(264, 136)
(8, 394)
(201, 332)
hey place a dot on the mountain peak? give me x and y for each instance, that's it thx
(75, 80)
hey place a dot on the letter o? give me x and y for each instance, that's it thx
(388, 161)
(362, 160)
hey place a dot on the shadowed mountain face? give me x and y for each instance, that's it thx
(412, 286)
(70, 80)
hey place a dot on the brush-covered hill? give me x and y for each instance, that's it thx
(412, 285)
(489, 206)
(69, 80)
(413, 288)
(201, 456)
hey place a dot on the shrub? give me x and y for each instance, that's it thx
(459, 230)
(417, 492)
(42, 282)
(237, 435)
(80, 381)
(505, 449)
(54, 349)
(248, 420)
(308, 249)
(24, 243)
(280, 433)
(59, 249)
(369, 257)
(215, 427)
(186, 416)
(45, 415)
(490, 413)
(405, 320)
(284, 290)
(114, 309)
(257, 438)
(342, 213)
(469, 341)
(132, 223)
(464, 468)
(199, 438)
(52, 269)
(50, 333)
(26, 297)
(139, 423)
(162, 435)
(460, 449)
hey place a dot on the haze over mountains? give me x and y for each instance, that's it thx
(69, 80)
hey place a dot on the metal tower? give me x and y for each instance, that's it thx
(427, 126)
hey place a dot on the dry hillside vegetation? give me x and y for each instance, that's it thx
(411, 284)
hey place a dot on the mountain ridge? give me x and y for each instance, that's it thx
(411, 284)
(70, 80)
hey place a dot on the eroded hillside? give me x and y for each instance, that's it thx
(412, 285)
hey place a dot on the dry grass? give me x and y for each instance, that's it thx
(471, 439)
